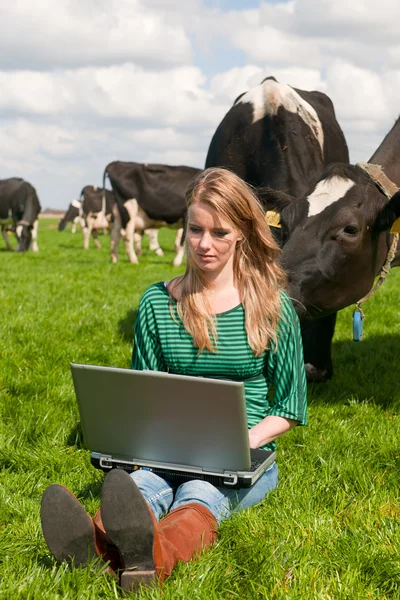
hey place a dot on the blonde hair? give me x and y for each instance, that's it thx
(257, 274)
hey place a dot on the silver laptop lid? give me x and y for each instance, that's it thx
(155, 416)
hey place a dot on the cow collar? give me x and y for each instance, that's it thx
(381, 180)
(387, 186)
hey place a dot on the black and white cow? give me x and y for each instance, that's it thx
(278, 136)
(74, 215)
(97, 212)
(96, 217)
(147, 196)
(19, 211)
(283, 138)
(338, 236)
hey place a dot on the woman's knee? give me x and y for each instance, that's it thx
(257, 492)
(204, 493)
(157, 491)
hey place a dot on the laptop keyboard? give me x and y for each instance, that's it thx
(254, 465)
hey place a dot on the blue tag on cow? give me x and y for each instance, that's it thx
(358, 326)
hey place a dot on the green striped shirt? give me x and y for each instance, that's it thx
(162, 344)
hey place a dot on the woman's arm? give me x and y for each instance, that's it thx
(269, 429)
(285, 371)
(147, 352)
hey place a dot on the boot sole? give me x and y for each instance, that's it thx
(67, 528)
(127, 520)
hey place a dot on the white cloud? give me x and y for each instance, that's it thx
(84, 83)
(122, 92)
(298, 77)
(267, 44)
(73, 33)
(367, 20)
(229, 85)
(358, 94)
(23, 138)
(59, 161)
(310, 33)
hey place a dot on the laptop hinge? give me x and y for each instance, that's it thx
(233, 479)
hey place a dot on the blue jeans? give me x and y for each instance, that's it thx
(163, 496)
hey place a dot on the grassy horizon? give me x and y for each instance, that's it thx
(330, 531)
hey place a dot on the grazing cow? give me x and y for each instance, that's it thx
(278, 137)
(19, 210)
(339, 234)
(97, 212)
(74, 215)
(147, 196)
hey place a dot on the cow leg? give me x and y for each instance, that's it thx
(152, 234)
(178, 239)
(95, 236)
(137, 238)
(179, 257)
(317, 341)
(115, 235)
(128, 241)
(144, 224)
(73, 225)
(131, 207)
(179, 248)
(87, 230)
(34, 245)
(5, 237)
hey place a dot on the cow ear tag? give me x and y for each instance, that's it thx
(358, 325)
(273, 218)
(396, 226)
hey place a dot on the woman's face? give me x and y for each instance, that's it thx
(212, 240)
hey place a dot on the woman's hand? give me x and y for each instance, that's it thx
(269, 429)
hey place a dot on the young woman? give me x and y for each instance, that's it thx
(226, 317)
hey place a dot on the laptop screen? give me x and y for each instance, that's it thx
(155, 416)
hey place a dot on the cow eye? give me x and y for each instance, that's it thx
(351, 229)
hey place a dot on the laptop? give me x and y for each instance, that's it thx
(177, 426)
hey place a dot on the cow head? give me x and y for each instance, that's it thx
(71, 214)
(24, 235)
(336, 240)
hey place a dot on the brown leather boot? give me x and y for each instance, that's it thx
(71, 534)
(106, 547)
(149, 549)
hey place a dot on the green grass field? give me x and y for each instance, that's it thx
(331, 529)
